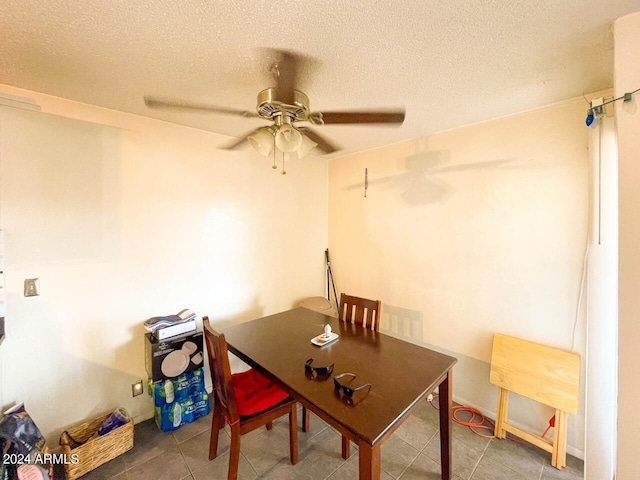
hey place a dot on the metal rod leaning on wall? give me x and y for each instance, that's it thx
(330, 279)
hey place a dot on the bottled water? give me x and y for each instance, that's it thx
(177, 415)
(168, 391)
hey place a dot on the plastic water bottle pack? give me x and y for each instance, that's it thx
(180, 400)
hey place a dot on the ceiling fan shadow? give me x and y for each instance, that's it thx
(426, 191)
(421, 181)
(417, 188)
(299, 68)
(423, 189)
(478, 165)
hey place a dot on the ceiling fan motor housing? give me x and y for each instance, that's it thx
(269, 107)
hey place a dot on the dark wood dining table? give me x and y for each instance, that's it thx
(402, 374)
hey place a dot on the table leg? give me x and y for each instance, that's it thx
(369, 461)
(444, 400)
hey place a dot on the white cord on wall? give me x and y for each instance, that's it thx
(582, 281)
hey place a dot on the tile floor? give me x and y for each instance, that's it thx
(411, 453)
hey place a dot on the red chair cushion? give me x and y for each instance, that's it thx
(255, 393)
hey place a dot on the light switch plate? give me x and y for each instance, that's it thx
(31, 287)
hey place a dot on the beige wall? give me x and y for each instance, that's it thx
(123, 218)
(627, 79)
(470, 232)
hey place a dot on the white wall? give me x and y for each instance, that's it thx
(627, 79)
(602, 303)
(471, 232)
(123, 218)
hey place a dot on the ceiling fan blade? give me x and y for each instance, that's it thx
(175, 104)
(391, 116)
(286, 75)
(235, 144)
(323, 144)
(240, 141)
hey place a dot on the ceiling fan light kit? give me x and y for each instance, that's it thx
(288, 139)
(284, 105)
(306, 147)
(262, 140)
(285, 138)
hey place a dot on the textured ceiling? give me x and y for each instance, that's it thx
(448, 63)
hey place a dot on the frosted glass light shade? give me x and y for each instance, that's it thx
(288, 139)
(262, 141)
(306, 147)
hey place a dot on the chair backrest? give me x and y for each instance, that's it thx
(360, 311)
(220, 370)
(545, 374)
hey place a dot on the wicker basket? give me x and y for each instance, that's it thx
(94, 451)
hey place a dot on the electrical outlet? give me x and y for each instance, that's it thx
(31, 287)
(137, 388)
(430, 398)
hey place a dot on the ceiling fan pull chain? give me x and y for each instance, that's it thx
(283, 170)
(366, 181)
(274, 154)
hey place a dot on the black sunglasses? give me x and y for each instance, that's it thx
(348, 391)
(319, 371)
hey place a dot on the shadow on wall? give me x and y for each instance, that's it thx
(256, 310)
(421, 181)
(109, 389)
(419, 186)
(471, 376)
(402, 322)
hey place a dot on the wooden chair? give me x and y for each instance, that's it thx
(246, 392)
(360, 311)
(545, 374)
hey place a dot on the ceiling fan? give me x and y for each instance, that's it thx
(284, 106)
